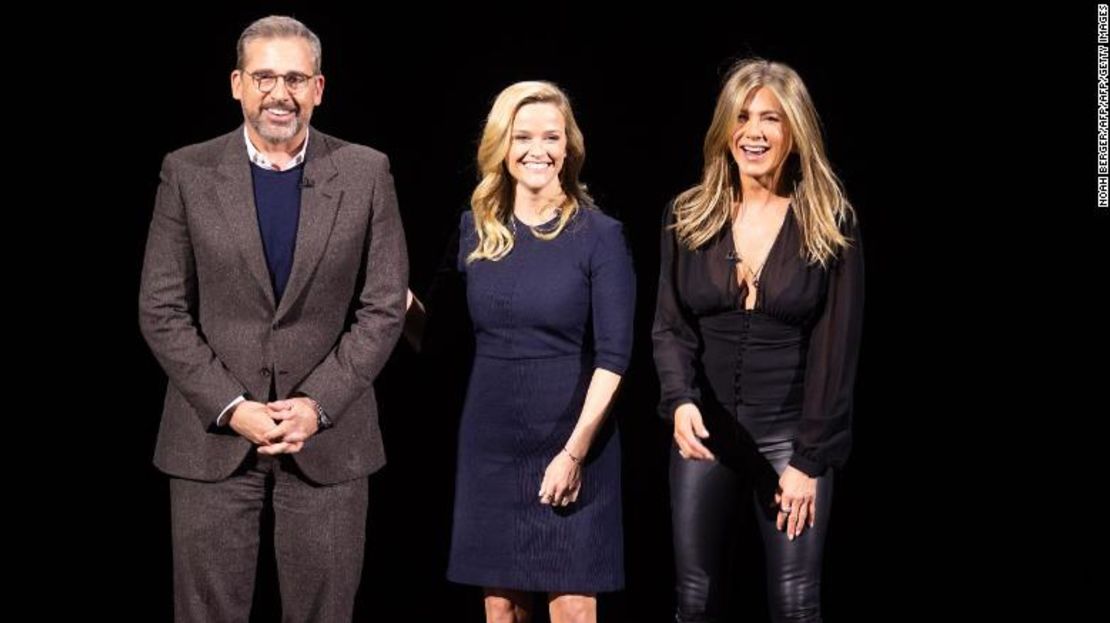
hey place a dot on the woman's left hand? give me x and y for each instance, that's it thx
(796, 500)
(561, 481)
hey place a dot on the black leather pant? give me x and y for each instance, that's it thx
(705, 497)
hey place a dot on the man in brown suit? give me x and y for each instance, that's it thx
(273, 291)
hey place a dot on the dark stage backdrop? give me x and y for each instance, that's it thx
(643, 84)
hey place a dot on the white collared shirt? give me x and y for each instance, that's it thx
(264, 162)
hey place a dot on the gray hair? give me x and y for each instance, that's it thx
(277, 27)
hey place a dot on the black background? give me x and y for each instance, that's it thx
(946, 130)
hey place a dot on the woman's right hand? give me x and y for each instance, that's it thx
(689, 429)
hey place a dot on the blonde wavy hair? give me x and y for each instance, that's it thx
(492, 200)
(819, 202)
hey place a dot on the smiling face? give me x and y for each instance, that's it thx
(760, 140)
(537, 148)
(281, 115)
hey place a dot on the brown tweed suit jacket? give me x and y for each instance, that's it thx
(207, 309)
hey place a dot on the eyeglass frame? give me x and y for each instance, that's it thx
(284, 78)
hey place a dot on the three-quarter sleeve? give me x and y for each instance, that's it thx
(824, 433)
(613, 297)
(673, 336)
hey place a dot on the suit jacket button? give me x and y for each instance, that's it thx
(264, 372)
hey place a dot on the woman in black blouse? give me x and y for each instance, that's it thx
(757, 331)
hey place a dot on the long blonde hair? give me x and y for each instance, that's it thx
(492, 200)
(819, 202)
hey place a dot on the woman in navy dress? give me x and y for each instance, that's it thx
(551, 291)
(757, 330)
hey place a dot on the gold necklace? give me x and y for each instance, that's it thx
(753, 275)
(557, 204)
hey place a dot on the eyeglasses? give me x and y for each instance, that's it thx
(266, 81)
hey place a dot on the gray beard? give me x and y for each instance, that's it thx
(262, 130)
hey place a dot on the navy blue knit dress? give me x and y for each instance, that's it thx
(545, 317)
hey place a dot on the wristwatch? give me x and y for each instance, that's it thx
(322, 419)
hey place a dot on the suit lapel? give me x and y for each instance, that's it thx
(236, 193)
(319, 206)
